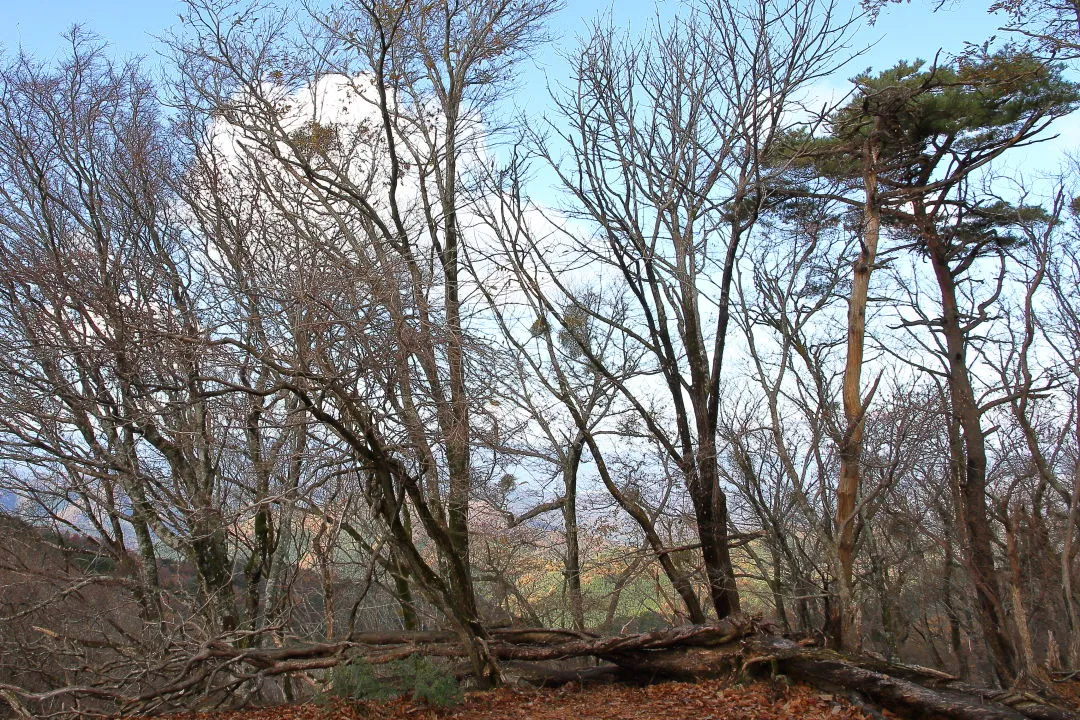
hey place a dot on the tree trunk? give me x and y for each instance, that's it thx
(1068, 551)
(843, 625)
(679, 580)
(973, 506)
(403, 593)
(149, 580)
(710, 512)
(214, 569)
(573, 552)
(1027, 669)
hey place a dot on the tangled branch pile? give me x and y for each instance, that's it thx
(734, 647)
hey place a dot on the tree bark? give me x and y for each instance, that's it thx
(973, 506)
(573, 551)
(1068, 551)
(843, 628)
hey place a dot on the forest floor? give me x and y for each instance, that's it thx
(707, 700)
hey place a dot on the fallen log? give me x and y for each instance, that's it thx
(910, 692)
(906, 690)
(524, 644)
(735, 646)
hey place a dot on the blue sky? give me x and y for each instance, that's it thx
(903, 31)
(128, 26)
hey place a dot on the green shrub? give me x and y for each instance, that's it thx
(415, 676)
(356, 680)
(428, 681)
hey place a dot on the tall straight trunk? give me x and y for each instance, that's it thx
(456, 433)
(1068, 551)
(843, 626)
(403, 594)
(142, 517)
(275, 590)
(886, 601)
(150, 583)
(573, 552)
(460, 607)
(711, 517)
(956, 640)
(258, 564)
(955, 605)
(980, 554)
(779, 605)
(326, 573)
(713, 524)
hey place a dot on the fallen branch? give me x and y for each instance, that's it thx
(739, 644)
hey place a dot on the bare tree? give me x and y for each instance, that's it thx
(103, 386)
(662, 164)
(378, 204)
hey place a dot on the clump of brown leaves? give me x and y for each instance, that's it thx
(708, 700)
